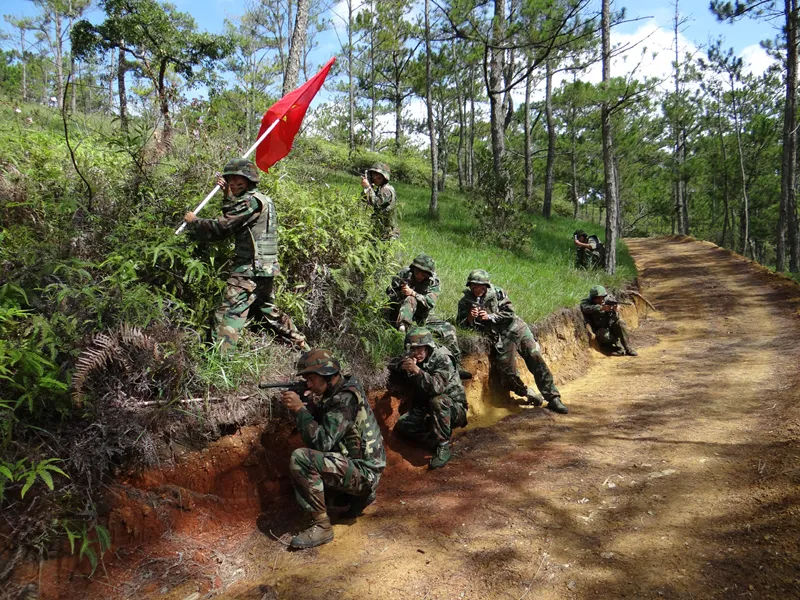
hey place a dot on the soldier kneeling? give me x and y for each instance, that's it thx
(603, 318)
(345, 451)
(438, 400)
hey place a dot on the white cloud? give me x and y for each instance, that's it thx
(756, 59)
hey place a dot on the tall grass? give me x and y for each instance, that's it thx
(539, 279)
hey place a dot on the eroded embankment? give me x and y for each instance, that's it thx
(210, 494)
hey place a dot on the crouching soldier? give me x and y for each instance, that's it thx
(412, 297)
(590, 253)
(439, 403)
(249, 217)
(344, 451)
(380, 195)
(488, 309)
(603, 318)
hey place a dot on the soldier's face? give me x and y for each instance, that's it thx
(237, 184)
(599, 299)
(377, 178)
(478, 289)
(420, 353)
(419, 274)
(316, 383)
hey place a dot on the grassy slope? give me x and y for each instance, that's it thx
(539, 280)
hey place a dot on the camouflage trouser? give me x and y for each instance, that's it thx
(434, 423)
(314, 472)
(504, 358)
(616, 332)
(243, 294)
(406, 311)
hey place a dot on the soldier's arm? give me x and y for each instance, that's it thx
(385, 198)
(505, 310)
(589, 308)
(434, 382)
(324, 435)
(210, 230)
(428, 300)
(463, 312)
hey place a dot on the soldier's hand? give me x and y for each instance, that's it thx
(608, 308)
(223, 184)
(473, 314)
(291, 401)
(364, 183)
(409, 365)
(189, 217)
(483, 315)
(406, 291)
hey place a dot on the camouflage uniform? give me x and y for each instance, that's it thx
(345, 447)
(608, 328)
(438, 400)
(509, 335)
(586, 258)
(250, 218)
(406, 310)
(383, 200)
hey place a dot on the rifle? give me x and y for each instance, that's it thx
(299, 387)
(613, 302)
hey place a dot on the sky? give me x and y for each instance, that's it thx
(649, 25)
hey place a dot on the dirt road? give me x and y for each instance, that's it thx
(675, 475)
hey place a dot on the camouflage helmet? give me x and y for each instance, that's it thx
(478, 276)
(383, 169)
(419, 336)
(597, 290)
(424, 262)
(318, 361)
(243, 167)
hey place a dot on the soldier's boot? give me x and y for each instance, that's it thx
(631, 352)
(358, 504)
(533, 398)
(556, 405)
(441, 457)
(319, 533)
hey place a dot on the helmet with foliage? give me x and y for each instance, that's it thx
(478, 276)
(419, 336)
(318, 361)
(243, 167)
(383, 169)
(597, 290)
(424, 263)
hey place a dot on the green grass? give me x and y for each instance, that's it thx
(539, 279)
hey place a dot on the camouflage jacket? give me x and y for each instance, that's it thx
(439, 376)
(427, 292)
(250, 218)
(383, 201)
(502, 322)
(342, 421)
(596, 316)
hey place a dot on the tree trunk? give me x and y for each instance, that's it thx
(59, 58)
(398, 121)
(527, 127)
(612, 200)
(679, 149)
(433, 208)
(725, 188)
(111, 73)
(495, 86)
(351, 84)
(163, 101)
(297, 47)
(373, 99)
(123, 94)
(461, 119)
(75, 80)
(23, 62)
(471, 138)
(573, 163)
(745, 219)
(789, 155)
(549, 180)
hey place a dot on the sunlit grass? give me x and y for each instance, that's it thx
(539, 279)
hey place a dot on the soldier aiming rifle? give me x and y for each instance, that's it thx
(601, 312)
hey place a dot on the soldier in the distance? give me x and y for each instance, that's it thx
(610, 331)
(380, 195)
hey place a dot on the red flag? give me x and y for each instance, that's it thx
(290, 110)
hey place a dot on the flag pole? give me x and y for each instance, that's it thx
(213, 192)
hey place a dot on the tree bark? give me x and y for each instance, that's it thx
(433, 208)
(612, 200)
(745, 219)
(59, 58)
(123, 94)
(679, 150)
(528, 136)
(788, 205)
(549, 179)
(725, 188)
(494, 89)
(163, 100)
(351, 84)
(471, 138)
(297, 47)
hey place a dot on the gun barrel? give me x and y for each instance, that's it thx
(282, 384)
